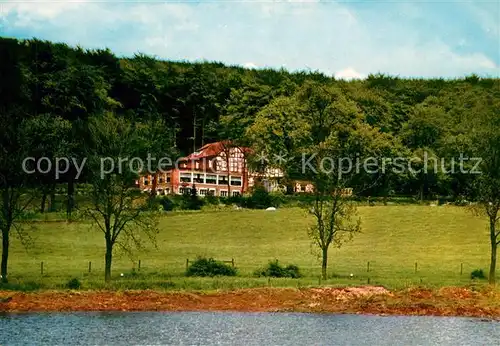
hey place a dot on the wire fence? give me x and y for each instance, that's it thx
(153, 269)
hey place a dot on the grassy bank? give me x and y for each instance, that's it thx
(440, 240)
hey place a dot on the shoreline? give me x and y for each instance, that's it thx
(374, 300)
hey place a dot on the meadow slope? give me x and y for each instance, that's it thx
(439, 239)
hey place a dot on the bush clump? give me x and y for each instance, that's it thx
(477, 274)
(276, 270)
(191, 200)
(167, 203)
(74, 284)
(210, 267)
(260, 198)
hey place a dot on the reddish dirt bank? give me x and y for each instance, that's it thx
(449, 301)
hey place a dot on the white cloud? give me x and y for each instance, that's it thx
(249, 65)
(31, 10)
(487, 15)
(334, 38)
(348, 73)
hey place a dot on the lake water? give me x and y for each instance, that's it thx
(224, 328)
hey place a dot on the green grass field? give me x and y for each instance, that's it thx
(393, 239)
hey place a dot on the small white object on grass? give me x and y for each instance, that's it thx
(121, 274)
(352, 275)
(271, 209)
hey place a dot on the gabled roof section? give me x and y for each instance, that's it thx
(212, 149)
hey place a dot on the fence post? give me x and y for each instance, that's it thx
(90, 266)
(187, 263)
(416, 266)
(139, 266)
(41, 268)
(461, 268)
(232, 262)
(368, 266)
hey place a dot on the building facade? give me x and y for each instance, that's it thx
(218, 169)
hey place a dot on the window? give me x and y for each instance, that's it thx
(222, 180)
(203, 192)
(197, 165)
(184, 190)
(198, 178)
(236, 193)
(160, 180)
(236, 181)
(221, 165)
(185, 177)
(223, 193)
(233, 164)
(167, 177)
(211, 179)
(211, 192)
(146, 181)
(167, 191)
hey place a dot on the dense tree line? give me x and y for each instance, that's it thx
(196, 103)
(54, 99)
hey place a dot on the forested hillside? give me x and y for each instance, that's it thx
(52, 90)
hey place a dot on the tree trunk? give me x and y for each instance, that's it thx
(244, 180)
(5, 234)
(5, 253)
(108, 259)
(203, 131)
(154, 184)
(228, 174)
(493, 262)
(324, 263)
(385, 190)
(52, 198)
(42, 203)
(194, 131)
(70, 197)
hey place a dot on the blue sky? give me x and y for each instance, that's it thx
(344, 38)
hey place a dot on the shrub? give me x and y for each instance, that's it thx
(211, 199)
(477, 274)
(191, 200)
(74, 284)
(260, 198)
(277, 198)
(274, 269)
(210, 267)
(21, 286)
(239, 200)
(167, 203)
(152, 204)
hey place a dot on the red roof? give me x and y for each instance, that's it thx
(212, 149)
